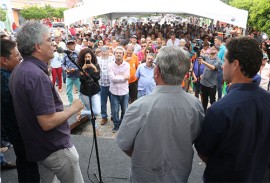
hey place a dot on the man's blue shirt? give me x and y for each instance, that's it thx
(235, 136)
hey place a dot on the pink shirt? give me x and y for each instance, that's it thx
(117, 73)
(140, 56)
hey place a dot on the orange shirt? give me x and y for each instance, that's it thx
(133, 62)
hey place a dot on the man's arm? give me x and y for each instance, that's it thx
(118, 78)
(210, 66)
(50, 121)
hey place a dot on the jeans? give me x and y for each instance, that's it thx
(104, 94)
(117, 102)
(2, 159)
(69, 87)
(63, 165)
(219, 83)
(95, 101)
(64, 75)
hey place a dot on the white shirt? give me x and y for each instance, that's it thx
(175, 43)
(137, 48)
(265, 75)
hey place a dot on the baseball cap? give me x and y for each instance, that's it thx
(134, 36)
(70, 41)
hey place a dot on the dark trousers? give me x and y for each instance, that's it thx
(208, 92)
(27, 170)
(219, 83)
(133, 91)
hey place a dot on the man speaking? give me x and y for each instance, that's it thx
(158, 130)
(42, 119)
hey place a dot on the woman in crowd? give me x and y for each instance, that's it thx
(89, 88)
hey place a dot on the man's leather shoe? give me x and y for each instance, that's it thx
(7, 166)
(103, 121)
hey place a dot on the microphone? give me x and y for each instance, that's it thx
(61, 50)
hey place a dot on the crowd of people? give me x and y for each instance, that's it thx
(144, 70)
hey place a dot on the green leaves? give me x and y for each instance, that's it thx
(258, 13)
(39, 13)
(3, 14)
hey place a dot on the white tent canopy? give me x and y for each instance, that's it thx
(212, 9)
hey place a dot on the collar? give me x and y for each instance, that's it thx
(149, 67)
(242, 86)
(43, 66)
(168, 89)
(117, 64)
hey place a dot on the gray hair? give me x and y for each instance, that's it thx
(130, 47)
(30, 34)
(173, 63)
(119, 48)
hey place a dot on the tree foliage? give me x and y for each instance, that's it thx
(3, 14)
(39, 13)
(258, 13)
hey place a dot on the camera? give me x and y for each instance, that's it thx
(198, 47)
(267, 45)
(88, 62)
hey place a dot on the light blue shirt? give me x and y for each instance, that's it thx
(221, 53)
(146, 82)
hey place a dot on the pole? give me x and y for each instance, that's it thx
(93, 118)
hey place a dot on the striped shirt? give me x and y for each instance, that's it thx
(104, 72)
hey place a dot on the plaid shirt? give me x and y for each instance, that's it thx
(104, 72)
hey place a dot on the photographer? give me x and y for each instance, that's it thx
(197, 71)
(208, 79)
(88, 61)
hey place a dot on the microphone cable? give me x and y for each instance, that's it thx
(88, 168)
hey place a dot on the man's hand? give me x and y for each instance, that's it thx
(128, 58)
(200, 60)
(195, 80)
(127, 77)
(76, 105)
(72, 70)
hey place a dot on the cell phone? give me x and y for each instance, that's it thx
(88, 62)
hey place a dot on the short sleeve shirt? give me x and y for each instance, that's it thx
(235, 136)
(33, 95)
(161, 127)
